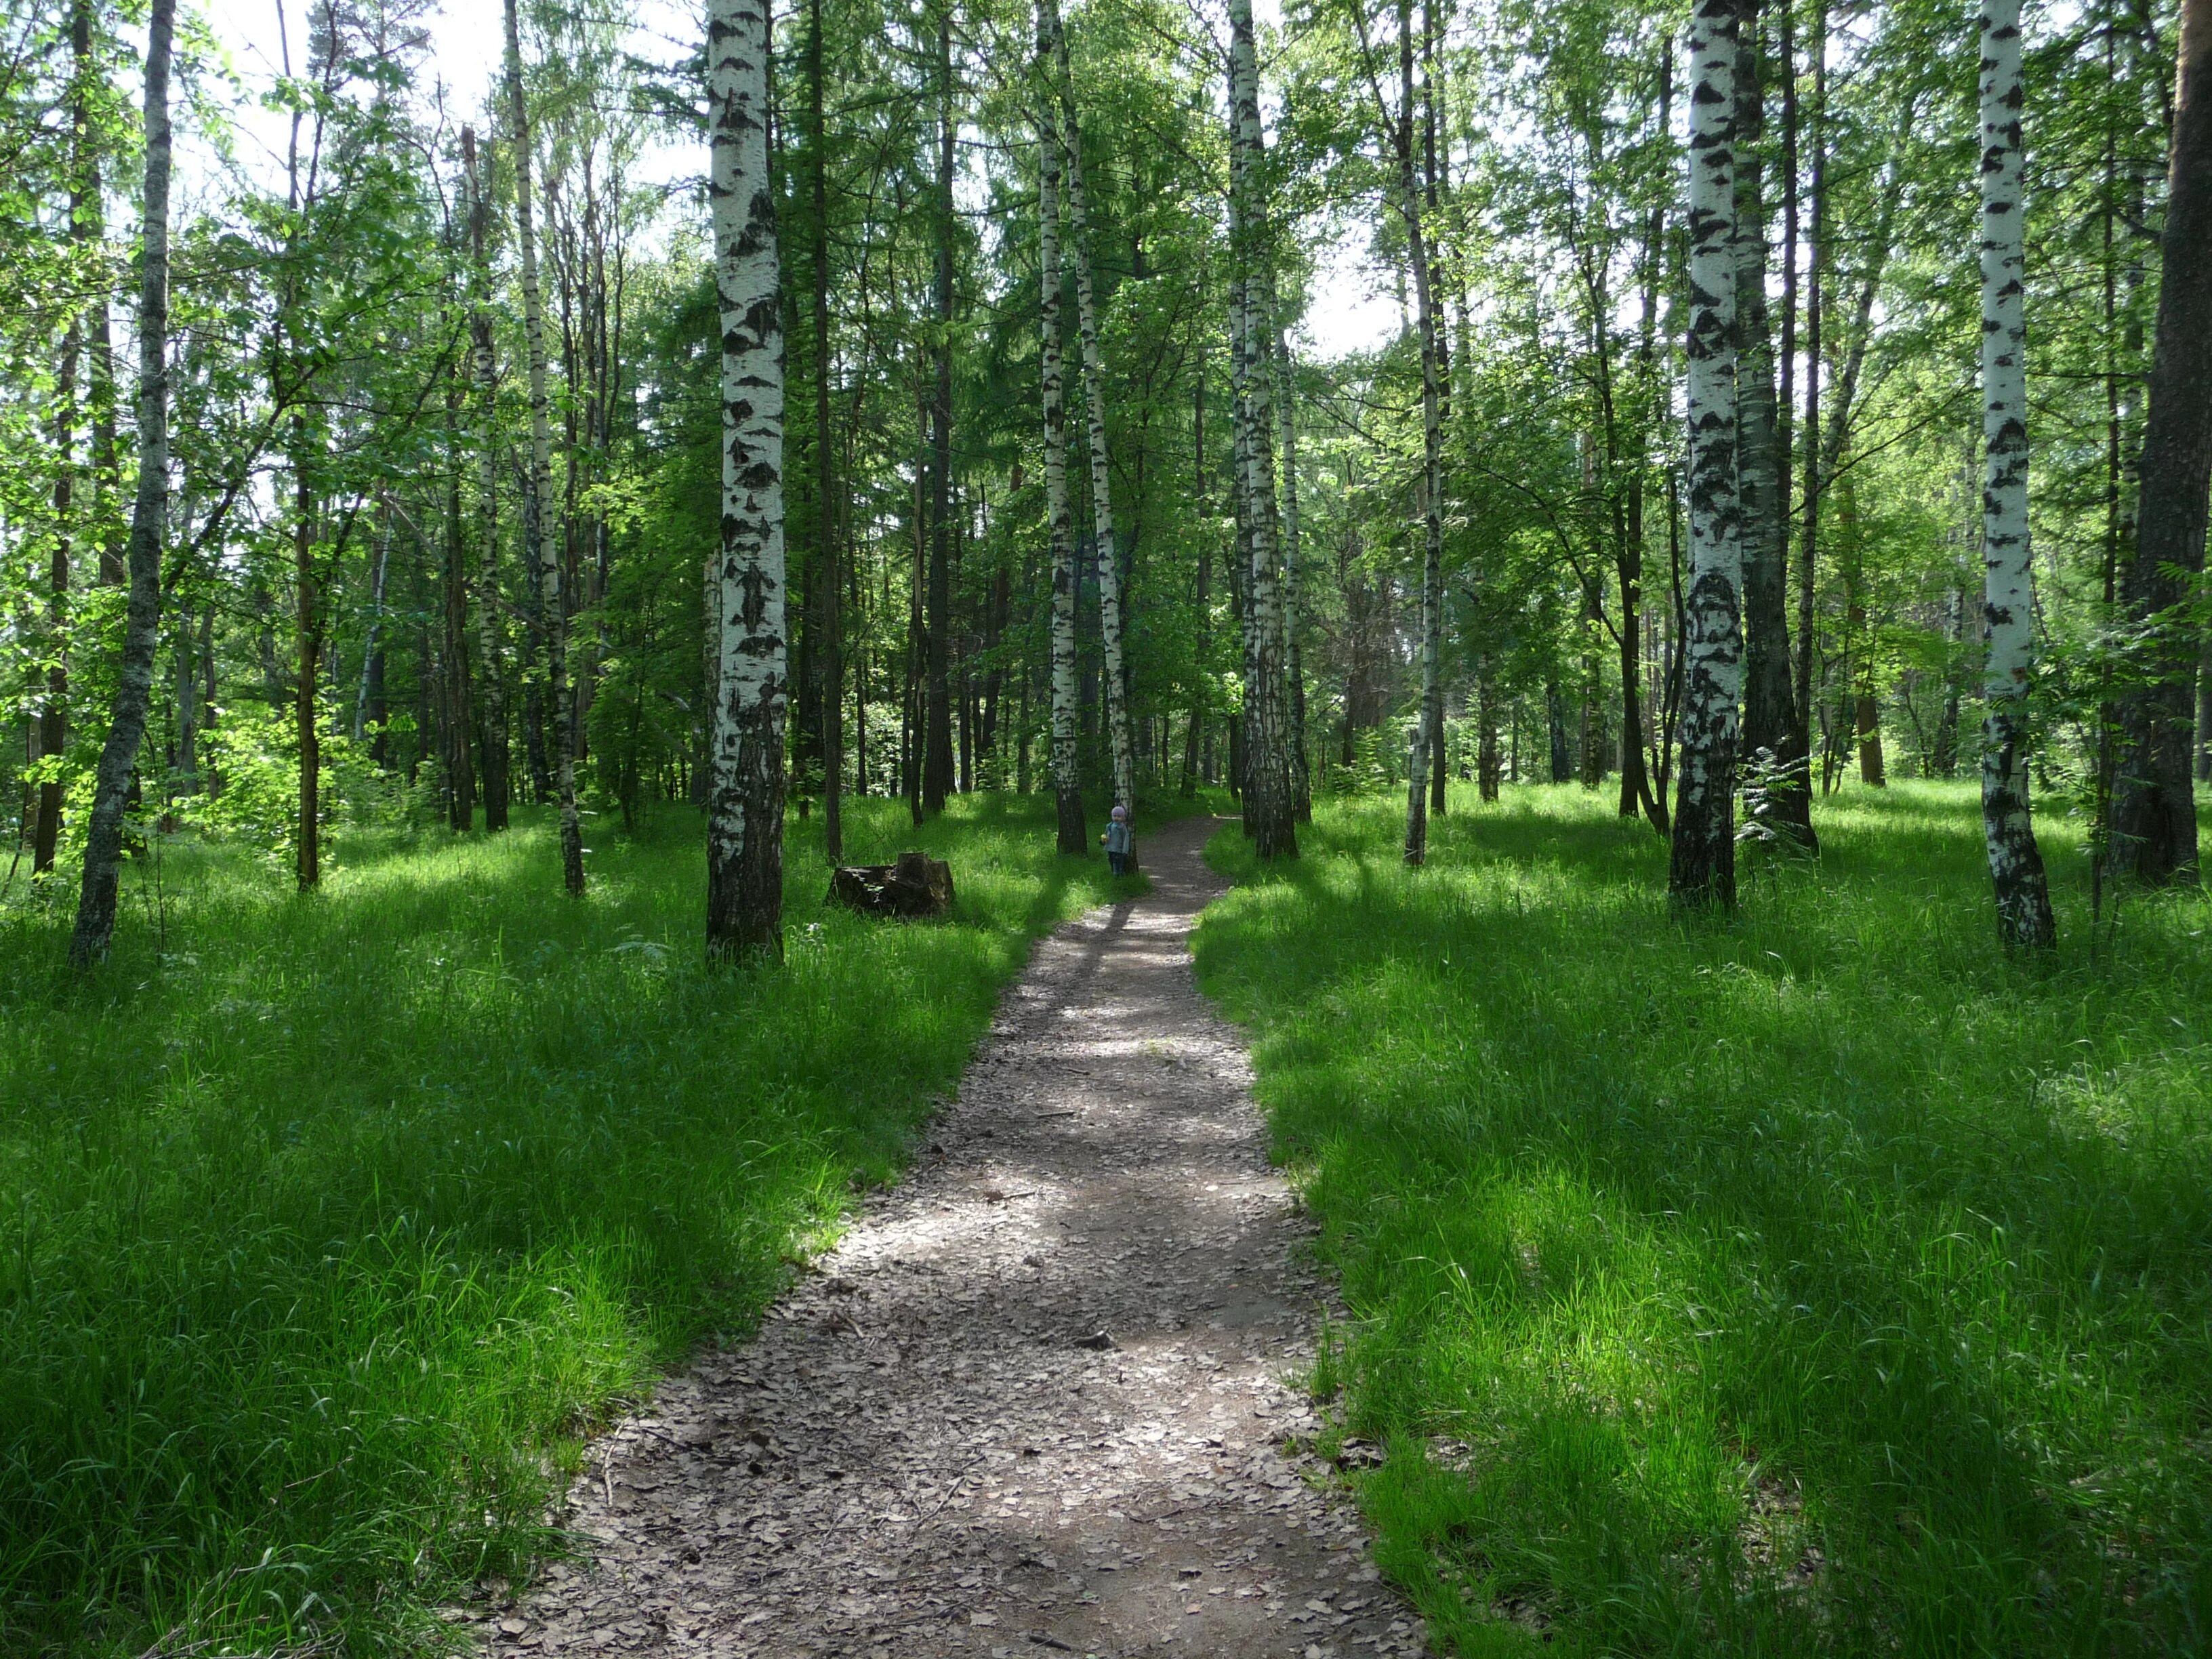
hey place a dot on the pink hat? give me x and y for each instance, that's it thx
(1120, 813)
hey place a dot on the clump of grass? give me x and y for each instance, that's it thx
(1818, 1281)
(324, 1234)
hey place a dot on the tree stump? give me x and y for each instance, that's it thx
(917, 886)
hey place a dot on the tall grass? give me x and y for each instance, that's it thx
(325, 1232)
(1821, 1281)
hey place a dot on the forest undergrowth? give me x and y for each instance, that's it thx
(329, 1225)
(1816, 1281)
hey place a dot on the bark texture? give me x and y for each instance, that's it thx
(552, 602)
(1118, 731)
(1293, 616)
(1770, 711)
(2153, 825)
(745, 821)
(1702, 873)
(2023, 897)
(1066, 784)
(828, 517)
(1270, 808)
(1430, 724)
(483, 394)
(149, 523)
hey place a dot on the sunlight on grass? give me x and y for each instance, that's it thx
(324, 1234)
(1820, 1280)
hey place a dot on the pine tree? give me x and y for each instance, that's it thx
(2154, 831)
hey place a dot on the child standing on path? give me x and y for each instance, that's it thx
(1118, 839)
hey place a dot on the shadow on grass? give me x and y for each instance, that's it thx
(1816, 1279)
(324, 1233)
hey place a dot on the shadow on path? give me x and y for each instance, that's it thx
(1034, 1401)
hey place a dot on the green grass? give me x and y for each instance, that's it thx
(1815, 1282)
(325, 1234)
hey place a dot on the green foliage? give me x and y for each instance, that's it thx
(1820, 1283)
(324, 1234)
(255, 752)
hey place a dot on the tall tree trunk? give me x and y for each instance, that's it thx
(307, 628)
(1269, 802)
(553, 597)
(126, 728)
(2023, 897)
(1066, 786)
(88, 228)
(1193, 732)
(1293, 614)
(1815, 256)
(1432, 192)
(1242, 511)
(1591, 769)
(937, 780)
(50, 729)
(1770, 714)
(461, 760)
(828, 519)
(1430, 721)
(483, 398)
(744, 826)
(1702, 873)
(2154, 833)
(1119, 735)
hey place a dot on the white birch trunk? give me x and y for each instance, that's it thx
(484, 391)
(2023, 897)
(1094, 400)
(94, 928)
(1430, 723)
(552, 601)
(1269, 798)
(1239, 425)
(1067, 785)
(1703, 868)
(1293, 618)
(744, 826)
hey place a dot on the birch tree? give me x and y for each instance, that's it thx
(1770, 716)
(1066, 786)
(2154, 833)
(149, 523)
(1702, 871)
(744, 827)
(1094, 401)
(1432, 492)
(829, 520)
(1293, 618)
(552, 603)
(483, 390)
(1269, 800)
(2023, 897)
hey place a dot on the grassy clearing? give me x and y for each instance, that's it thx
(1817, 1282)
(325, 1234)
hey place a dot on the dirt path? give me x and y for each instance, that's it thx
(1034, 1402)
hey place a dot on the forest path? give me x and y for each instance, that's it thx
(1035, 1401)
